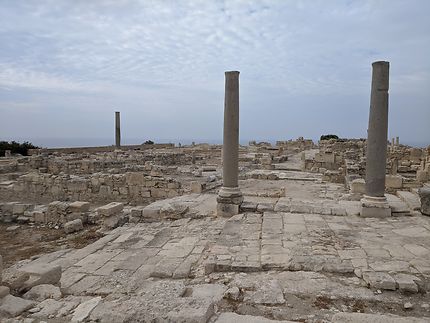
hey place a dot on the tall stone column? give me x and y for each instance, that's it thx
(397, 141)
(117, 130)
(374, 203)
(230, 196)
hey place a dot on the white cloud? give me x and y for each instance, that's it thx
(286, 48)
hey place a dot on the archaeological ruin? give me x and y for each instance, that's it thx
(332, 231)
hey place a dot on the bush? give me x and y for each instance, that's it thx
(148, 142)
(16, 147)
(328, 137)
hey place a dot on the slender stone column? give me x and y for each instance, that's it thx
(117, 130)
(229, 196)
(397, 141)
(374, 204)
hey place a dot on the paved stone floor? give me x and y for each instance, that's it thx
(271, 265)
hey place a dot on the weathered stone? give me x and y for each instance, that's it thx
(267, 293)
(379, 280)
(4, 291)
(394, 181)
(15, 279)
(406, 283)
(73, 226)
(232, 293)
(79, 206)
(84, 309)
(110, 209)
(14, 306)
(236, 318)
(358, 186)
(424, 194)
(374, 318)
(41, 274)
(41, 292)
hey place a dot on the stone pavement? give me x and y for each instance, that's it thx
(277, 265)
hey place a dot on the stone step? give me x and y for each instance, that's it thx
(411, 199)
(398, 207)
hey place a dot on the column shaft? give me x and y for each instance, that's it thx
(376, 157)
(231, 130)
(117, 130)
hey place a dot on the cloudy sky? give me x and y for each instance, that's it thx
(305, 68)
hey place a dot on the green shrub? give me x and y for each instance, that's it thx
(16, 147)
(148, 142)
(328, 137)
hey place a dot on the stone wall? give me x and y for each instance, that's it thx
(117, 162)
(297, 145)
(134, 187)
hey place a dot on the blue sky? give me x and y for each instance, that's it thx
(66, 66)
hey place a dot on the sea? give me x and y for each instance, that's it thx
(94, 142)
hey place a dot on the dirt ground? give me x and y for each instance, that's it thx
(28, 241)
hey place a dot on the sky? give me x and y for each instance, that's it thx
(305, 68)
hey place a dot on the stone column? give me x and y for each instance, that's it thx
(117, 130)
(397, 141)
(374, 203)
(230, 196)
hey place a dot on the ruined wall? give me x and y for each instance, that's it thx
(134, 187)
(117, 162)
(296, 145)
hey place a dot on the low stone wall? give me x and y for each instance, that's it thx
(118, 161)
(80, 150)
(299, 144)
(133, 187)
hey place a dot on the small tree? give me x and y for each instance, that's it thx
(16, 147)
(148, 142)
(328, 137)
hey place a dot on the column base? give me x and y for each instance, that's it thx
(228, 201)
(374, 207)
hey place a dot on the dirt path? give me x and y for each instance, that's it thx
(28, 241)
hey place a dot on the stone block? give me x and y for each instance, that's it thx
(227, 210)
(41, 292)
(39, 216)
(84, 309)
(422, 176)
(236, 318)
(247, 206)
(15, 279)
(196, 187)
(373, 318)
(19, 209)
(358, 186)
(424, 194)
(4, 291)
(379, 280)
(41, 274)
(374, 207)
(394, 181)
(406, 283)
(79, 206)
(135, 178)
(110, 209)
(14, 306)
(111, 222)
(73, 226)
